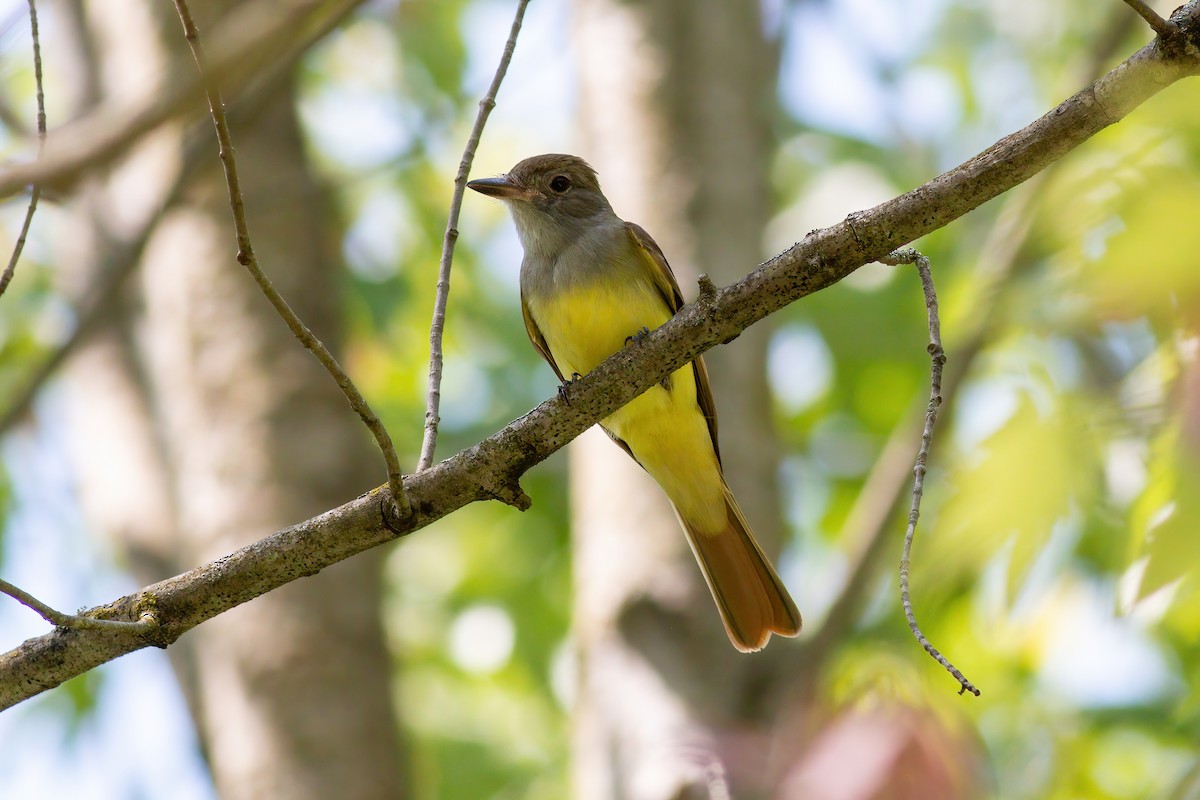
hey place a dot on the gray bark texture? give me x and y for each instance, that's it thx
(202, 427)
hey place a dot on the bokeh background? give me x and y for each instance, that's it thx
(569, 650)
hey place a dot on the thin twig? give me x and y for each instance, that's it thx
(1163, 27)
(147, 623)
(249, 39)
(247, 259)
(867, 523)
(120, 257)
(438, 326)
(938, 358)
(7, 276)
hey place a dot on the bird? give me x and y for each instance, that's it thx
(590, 284)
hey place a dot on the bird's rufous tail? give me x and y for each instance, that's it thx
(752, 600)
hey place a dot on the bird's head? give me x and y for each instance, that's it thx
(551, 196)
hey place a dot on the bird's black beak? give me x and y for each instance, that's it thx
(501, 188)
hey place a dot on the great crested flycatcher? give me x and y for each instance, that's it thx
(590, 281)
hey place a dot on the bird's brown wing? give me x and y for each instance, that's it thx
(539, 341)
(668, 287)
(664, 278)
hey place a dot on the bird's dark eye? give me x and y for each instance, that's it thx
(560, 183)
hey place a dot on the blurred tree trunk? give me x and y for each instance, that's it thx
(676, 111)
(226, 430)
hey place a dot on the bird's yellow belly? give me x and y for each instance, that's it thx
(669, 436)
(585, 326)
(664, 427)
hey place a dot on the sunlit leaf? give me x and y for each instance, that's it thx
(1150, 264)
(1030, 474)
(1166, 518)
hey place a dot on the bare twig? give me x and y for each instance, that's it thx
(121, 256)
(868, 522)
(938, 358)
(867, 525)
(7, 276)
(147, 623)
(247, 259)
(1163, 27)
(438, 326)
(248, 40)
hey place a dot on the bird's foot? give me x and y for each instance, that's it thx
(565, 387)
(637, 337)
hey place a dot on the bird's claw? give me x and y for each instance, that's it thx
(637, 337)
(565, 386)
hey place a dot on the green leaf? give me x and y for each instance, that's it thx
(1033, 470)
(1165, 520)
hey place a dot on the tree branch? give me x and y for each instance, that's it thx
(7, 276)
(121, 255)
(434, 400)
(246, 258)
(248, 39)
(79, 621)
(868, 525)
(866, 533)
(1161, 26)
(937, 357)
(492, 468)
